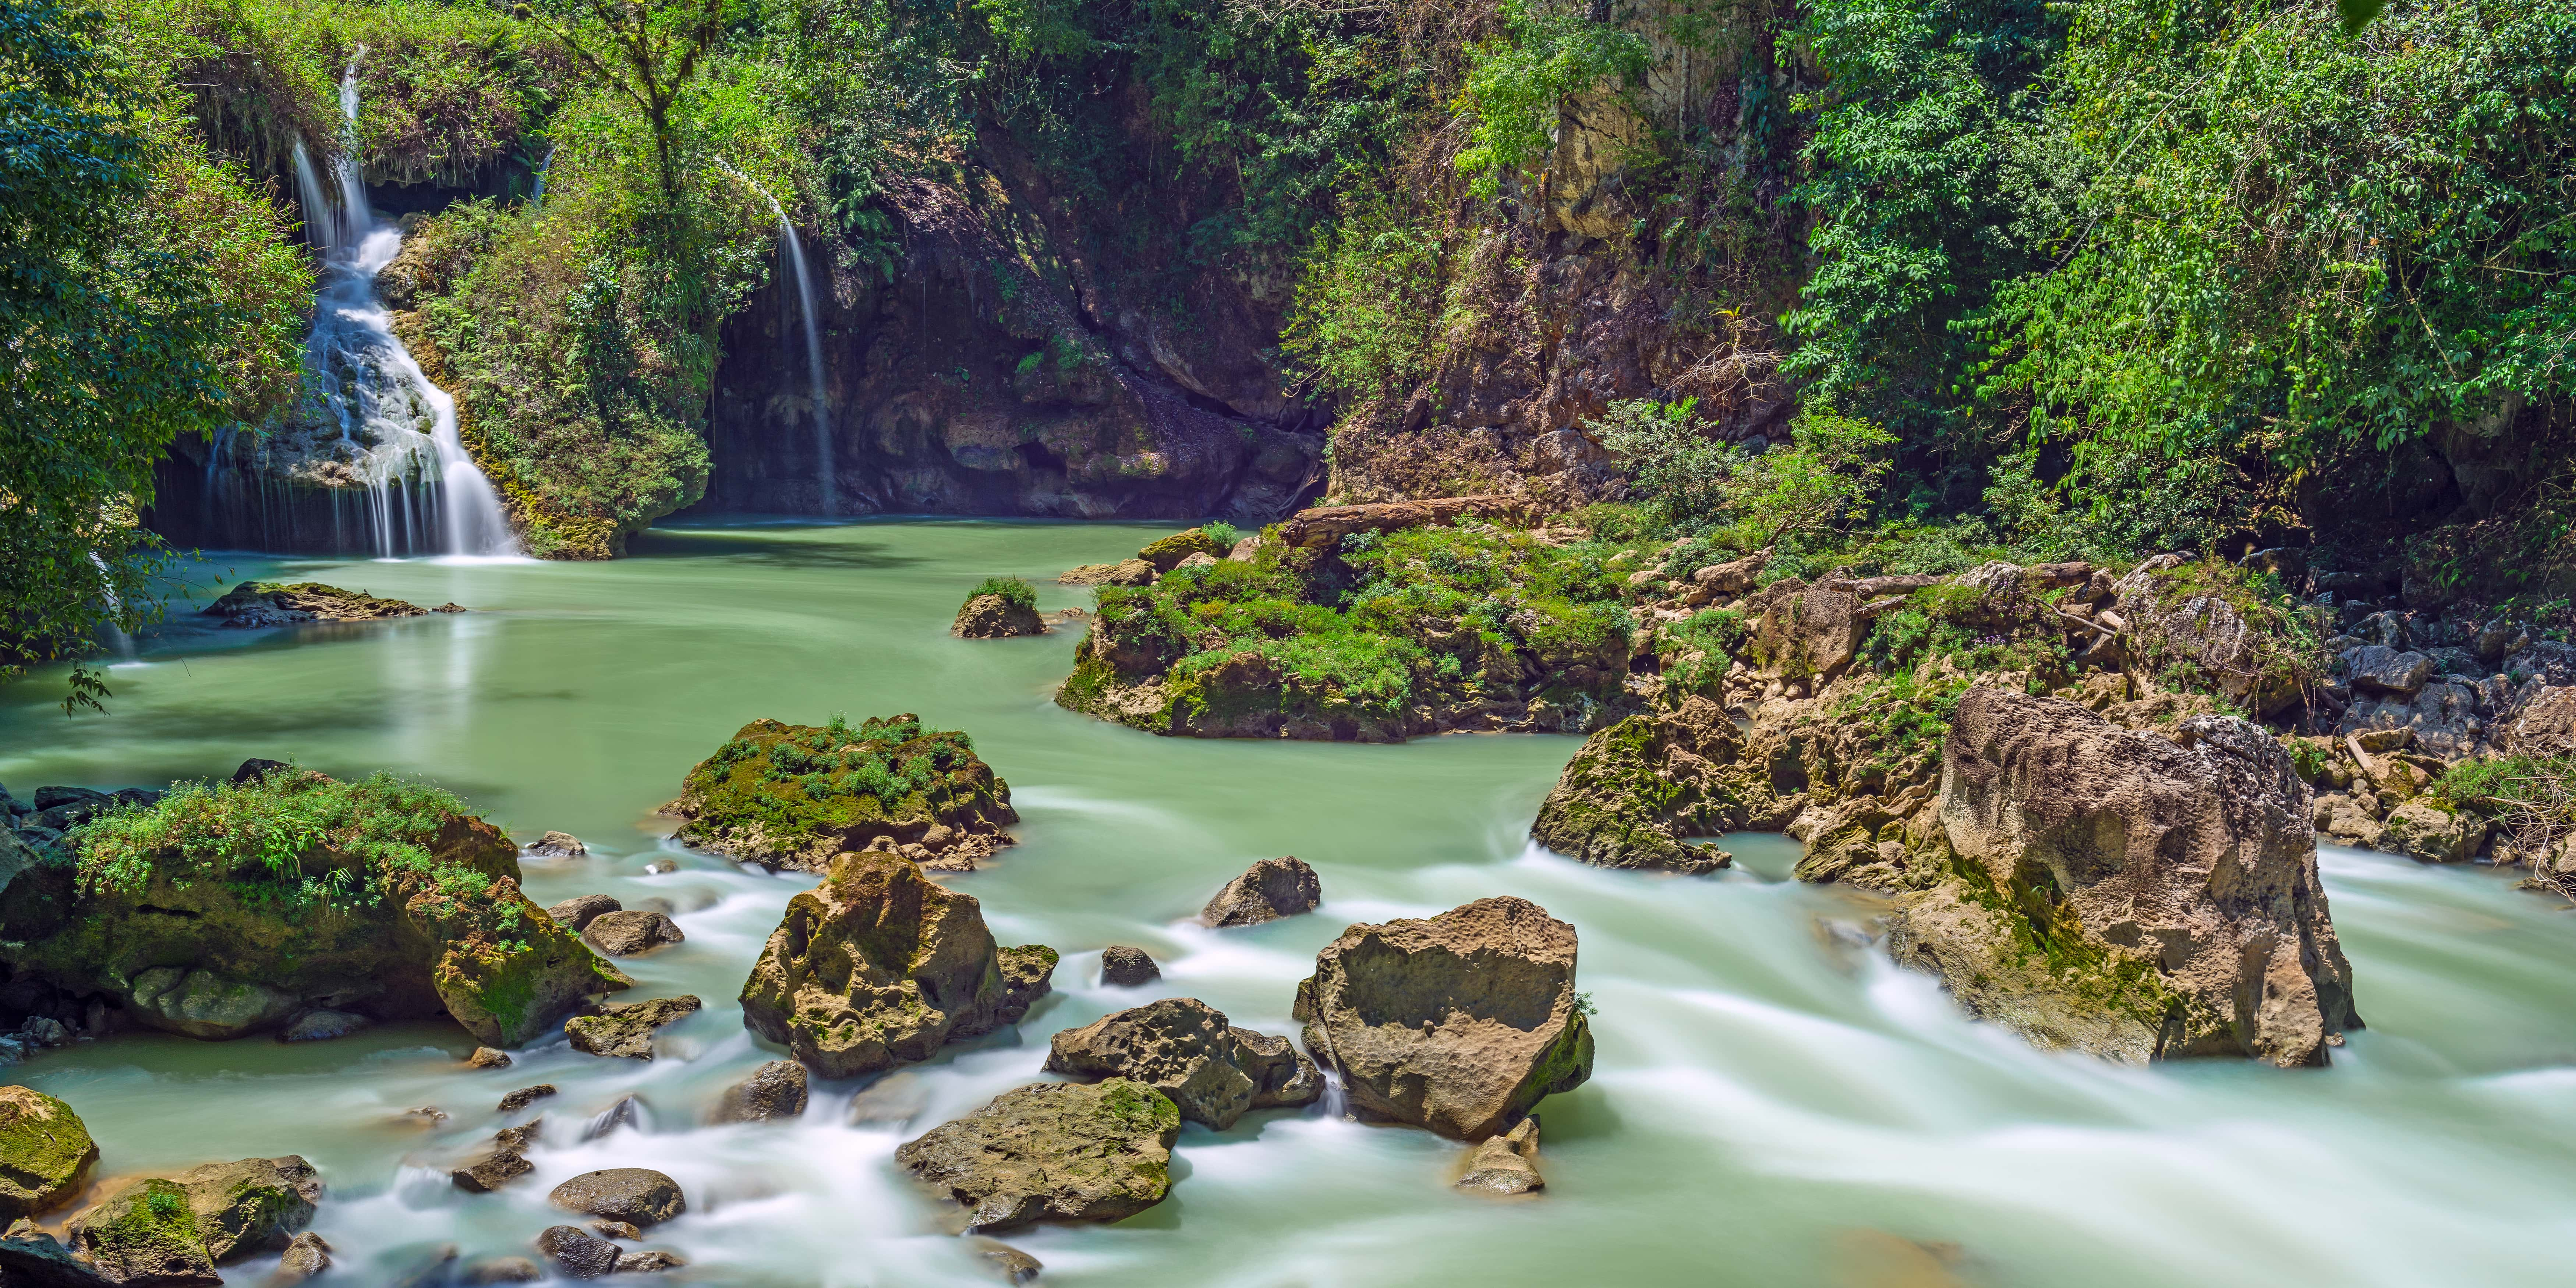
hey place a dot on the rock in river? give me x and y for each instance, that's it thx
(624, 934)
(2126, 893)
(796, 795)
(627, 1028)
(1505, 1164)
(1056, 1151)
(576, 913)
(1639, 789)
(175, 1230)
(576, 1252)
(637, 1195)
(45, 1152)
(1125, 967)
(1267, 891)
(1184, 1048)
(1459, 1023)
(879, 965)
(996, 617)
(271, 603)
(773, 1091)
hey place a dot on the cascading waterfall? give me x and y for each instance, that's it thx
(398, 434)
(792, 249)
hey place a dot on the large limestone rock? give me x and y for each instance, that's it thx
(625, 934)
(45, 1152)
(796, 795)
(993, 617)
(1056, 1151)
(1809, 630)
(1639, 789)
(2127, 893)
(224, 947)
(1459, 1023)
(176, 1230)
(1167, 553)
(879, 965)
(1185, 1049)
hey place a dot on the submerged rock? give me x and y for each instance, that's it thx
(198, 939)
(488, 1058)
(323, 1026)
(1125, 967)
(879, 965)
(1185, 1049)
(2129, 894)
(577, 1253)
(1505, 1164)
(774, 1091)
(628, 1111)
(626, 1029)
(624, 934)
(1267, 891)
(1055, 1151)
(649, 1261)
(559, 845)
(1013, 1265)
(504, 1270)
(515, 1101)
(45, 1152)
(797, 795)
(307, 1255)
(1459, 1023)
(638, 1196)
(269, 603)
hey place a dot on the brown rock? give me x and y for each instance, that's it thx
(616, 1230)
(576, 913)
(1185, 1049)
(307, 1255)
(1130, 572)
(556, 845)
(1056, 1151)
(1505, 1164)
(1809, 631)
(991, 617)
(576, 1253)
(1267, 891)
(1326, 525)
(488, 1058)
(525, 1096)
(626, 1029)
(2547, 725)
(774, 1091)
(879, 965)
(624, 934)
(1459, 1023)
(649, 1261)
(1125, 967)
(638, 1196)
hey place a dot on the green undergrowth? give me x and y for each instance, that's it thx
(801, 782)
(1013, 590)
(1384, 621)
(296, 839)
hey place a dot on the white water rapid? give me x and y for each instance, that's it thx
(398, 434)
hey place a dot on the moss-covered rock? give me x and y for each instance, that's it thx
(796, 795)
(879, 966)
(1168, 553)
(175, 1230)
(1637, 791)
(222, 910)
(626, 1028)
(270, 603)
(45, 1152)
(146, 1233)
(1053, 1152)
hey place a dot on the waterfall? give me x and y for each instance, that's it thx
(792, 250)
(538, 197)
(398, 434)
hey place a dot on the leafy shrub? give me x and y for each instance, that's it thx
(258, 835)
(1013, 590)
(1516, 86)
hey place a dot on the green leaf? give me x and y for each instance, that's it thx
(2358, 13)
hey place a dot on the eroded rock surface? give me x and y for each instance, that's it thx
(774, 1091)
(879, 965)
(1056, 1151)
(992, 617)
(1267, 891)
(626, 1029)
(638, 1196)
(1458, 1023)
(627, 933)
(1184, 1048)
(1125, 967)
(1505, 1164)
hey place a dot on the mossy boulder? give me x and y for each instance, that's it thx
(146, 1233)
(225, 909)
(1640, 789)
(1168, 553)
(1056, 1151)
(175, 1230)
(270, 603)
(2208, 624)
(879, 965)
(1459, 1023)
(626, 1029)
(794, 796)
(999, 608)
(45, 1152)
(1185, 1049)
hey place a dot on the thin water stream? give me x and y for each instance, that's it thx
(1771, 1106)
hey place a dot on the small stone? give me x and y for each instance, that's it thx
(648, 1261)
(495, 1168)
(322, 1026)
(626, 1029)
(1184, 1048)
(488, 1058)
(660, 866)
(1125, 967)
(307, 1255)
(576, 913)
(1013, 1265)
(773, 1091)
(1267, 891)
(560, 845)
(429, 1115)
(625, 934)
(638, 1195)
(629, 1111)
(526, 1096)
(1505, 1164)
(577, 1253)
(616, 1230)
(504, 1270)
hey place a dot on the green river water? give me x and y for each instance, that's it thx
(1771, 1106)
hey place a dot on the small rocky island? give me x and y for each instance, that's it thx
(794, 796)
(259, 604)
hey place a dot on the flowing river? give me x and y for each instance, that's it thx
(1772, 1105)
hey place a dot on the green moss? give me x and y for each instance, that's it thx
(296, 840)
(2047, 934)
(1015, 590)
(150, 1228)
(785, 786)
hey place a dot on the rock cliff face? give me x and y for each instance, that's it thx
(1012, 365)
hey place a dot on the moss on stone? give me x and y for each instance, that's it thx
(45, 1152)
(799, 794)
